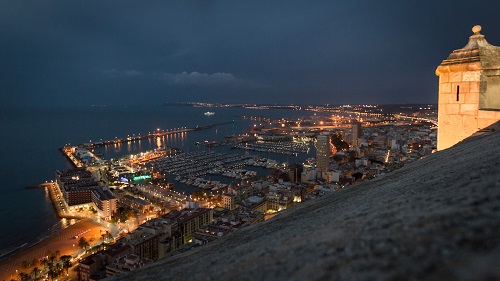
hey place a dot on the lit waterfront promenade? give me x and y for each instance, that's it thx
(63, 241)
(56, 197)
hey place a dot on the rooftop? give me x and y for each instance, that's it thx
(477, 54)
(103, 194)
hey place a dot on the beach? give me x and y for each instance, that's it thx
(64, 241)
(34, 212)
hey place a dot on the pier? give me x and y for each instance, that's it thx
(198, 128)
(41, 185)
(147, 136)
(67, 150)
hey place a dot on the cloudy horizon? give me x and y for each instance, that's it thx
(328, 52)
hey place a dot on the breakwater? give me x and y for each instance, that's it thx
(155, 134)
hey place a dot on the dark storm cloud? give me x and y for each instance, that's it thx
(61, 52)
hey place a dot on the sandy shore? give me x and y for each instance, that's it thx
(63, 241)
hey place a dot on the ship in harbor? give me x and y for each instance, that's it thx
(209, 113)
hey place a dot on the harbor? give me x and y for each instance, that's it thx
(68, 150)
(287, 147)
(152, 135)
(190, 168)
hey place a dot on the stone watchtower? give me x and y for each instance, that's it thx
(469, 91)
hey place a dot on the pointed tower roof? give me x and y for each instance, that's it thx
(477, 54)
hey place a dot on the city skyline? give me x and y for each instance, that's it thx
(299, 53)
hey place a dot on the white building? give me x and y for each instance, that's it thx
(323, 151)
(309, 174)
(104, 202)
(356, 132)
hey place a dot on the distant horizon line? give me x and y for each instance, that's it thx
(276, 104)
(213, 104)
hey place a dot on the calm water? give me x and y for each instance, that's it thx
(30, 138)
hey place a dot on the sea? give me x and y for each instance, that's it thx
(31, 136)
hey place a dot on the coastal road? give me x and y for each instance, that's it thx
(63, 241)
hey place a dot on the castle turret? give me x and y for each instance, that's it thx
(469, 90)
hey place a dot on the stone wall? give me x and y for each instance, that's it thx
(459, 119)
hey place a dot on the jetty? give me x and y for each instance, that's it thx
(46, 184)
(155, 134)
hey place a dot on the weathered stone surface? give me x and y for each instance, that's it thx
(435, 219)
(471, 98)
(455, 77)
(447, 140)
(471, 75)
(445, 88)
(475, 71)
(464, 87)
(468, 109)
(445, 98)
(452, 119)
(444, 78)
(484, 122)
(451, 108)
(474, 87)
(470, 125)
(486, 114)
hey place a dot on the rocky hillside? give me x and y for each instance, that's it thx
(435, 219)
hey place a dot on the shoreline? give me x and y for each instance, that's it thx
(53, 188)
(52, 231)
(55, 239)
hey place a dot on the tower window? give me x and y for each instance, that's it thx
(458, 93)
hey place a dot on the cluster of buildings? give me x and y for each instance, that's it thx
(371, 151)
(348, 149)
(81, 190)
(266, 196)
(177, 231)
(150, 241)
(346, 152)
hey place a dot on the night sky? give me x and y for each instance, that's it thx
(286, 52)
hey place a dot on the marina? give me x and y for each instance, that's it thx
(190, 168)
(202, 183)
(289, 147)
(104, 125)
(196, 163)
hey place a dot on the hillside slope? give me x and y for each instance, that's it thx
(435, 219)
